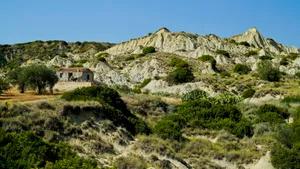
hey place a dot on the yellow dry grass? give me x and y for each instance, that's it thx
(15, 96)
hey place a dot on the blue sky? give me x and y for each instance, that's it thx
(121, 20)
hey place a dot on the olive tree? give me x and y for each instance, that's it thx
(40, 76)
(37, 76)
(3, 86)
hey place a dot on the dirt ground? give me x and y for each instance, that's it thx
(15, 96)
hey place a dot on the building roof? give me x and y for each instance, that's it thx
(73, 70)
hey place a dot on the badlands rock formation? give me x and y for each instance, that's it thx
(116, 70)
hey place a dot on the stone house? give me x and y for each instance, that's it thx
(75, 75)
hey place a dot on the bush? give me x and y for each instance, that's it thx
(194, 95)
(129, 58)
(293, 56)
(3, 86)
(297, 75)
(283, 113)
(145, 82)
(180, 75)
(227, 98)
(176, 62)
(241, 69)
(284, 62)
(232, 41)
(291, 99)
(287, 154)
(265, 57)
(251, 53)
(26, 150)
(225, 74)
(168, 129)
(205, 58)
(147, 50)
(82, 61)
(245, 44)
(267, 72)
(100, 58)
(248, 93)
(223, 52)
(113, 106)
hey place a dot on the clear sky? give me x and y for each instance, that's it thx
(121, 20)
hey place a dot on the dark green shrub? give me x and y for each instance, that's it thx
(194, 95)
(168, 129)
(180, 75)
(149, 49)
(205, 58)
(63, 55)
(248, 93)
(3, 86)
(284, 62)
(271, 117)
(26, 150)
(297, 75)
(293, 56)
(267, 72)
(223, 52)
(232, 41)
(129, 58)
(208, 58)
(291, 99)
(225, 74)
(265, 57)
(113, 106)
(283, 113)
(245, 44)
(145, 82)
(82, 61)
(241, 69)
(286, 158)
(177, 62)
(251, 53)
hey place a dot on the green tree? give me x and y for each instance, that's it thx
(241, 69)
(180, 75)
(3, 86)
(37, 76)
(267, 72)
(18, 77)
(40, 76)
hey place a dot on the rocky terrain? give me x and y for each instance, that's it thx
(224, 69)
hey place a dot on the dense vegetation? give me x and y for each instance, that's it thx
(114, 107)
(223, 52)
(148, 50)
(267, 72)
(34, 76)
(241, 69)
(3, 86)
(208, 58)
(200, 111)
(182, 72)
(26, 150)
(251, 53)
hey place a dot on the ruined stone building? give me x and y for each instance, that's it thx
(75, 75)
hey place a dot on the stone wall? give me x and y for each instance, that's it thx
(66, 86)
